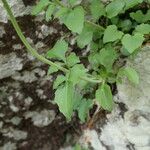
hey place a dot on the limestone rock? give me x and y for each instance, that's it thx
(17, 7)
(9, 64)
(41, 119)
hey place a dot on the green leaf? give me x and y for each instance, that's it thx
(75, 20)
(131, 43)
(143, 28)
(114, 8)
(111, 34)
(97, 9)
(49, 12)
(52, 69)
(76, 72)
(77, 147)
(130, 73)
(72, 2)
(126, 25)
(61, 13)
(131, 3)
(42, 4)
(59, 50)
(84, 108)
(107, 57)
(64, 98)
(85, 37)
(139, 17)
(59, 80)
(72, 59)
(94, 60)
(104, 97)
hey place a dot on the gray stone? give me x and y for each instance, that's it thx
(2, 31)
(132, 130)
(1, 124)
(9, 146)
(16, 120)
(17, 7)
(41, 119)
(9, 64)
(137, 97)
(90, 137)
(15, 134)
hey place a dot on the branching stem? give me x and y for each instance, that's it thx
(32, 50)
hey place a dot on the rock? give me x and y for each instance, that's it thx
(17, 7)
(9, 146)
(45, 30)
(16, 120)
(15, 134)
(2, 31)
(28, 101)
(17, 46)
(26, 76)
(9, 64)
(1, 124)
(41, 119)
(130, 128)
(137, 97)
(90, 137)
(134, 129)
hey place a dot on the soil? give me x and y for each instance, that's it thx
(57, 134)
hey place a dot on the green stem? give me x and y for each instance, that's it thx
(25, 42)
(59, 3)
(95, 25)
(32, 50)
(91, 80)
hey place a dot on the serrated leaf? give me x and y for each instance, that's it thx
(64, 98)
(131, 43)
(139, 17)
(111, 34)
(132, 3)
(130, 73)
(114, 8)
(97, 9)
(85, 37)
(58, 81)
(49, 12)
(75, 20)
(104, 97)
(83, 109)
(72, 59)
(107, 57)
(59, 50)
(143, 28)
(41, 5)
(76, 72)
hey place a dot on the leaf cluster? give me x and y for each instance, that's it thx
(111, 31)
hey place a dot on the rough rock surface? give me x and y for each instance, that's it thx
(7, 63)
(127, 127)
(28, 117)
(18, 8)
